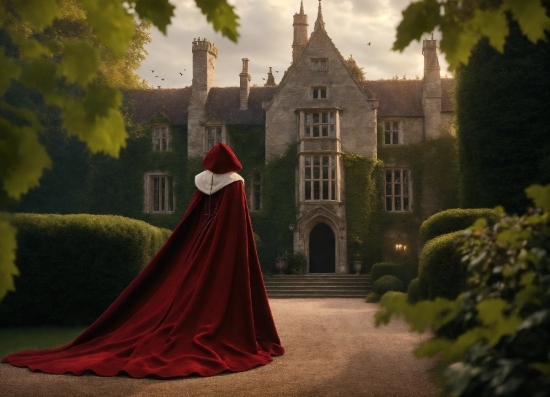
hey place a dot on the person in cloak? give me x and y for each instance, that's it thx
(199, 306)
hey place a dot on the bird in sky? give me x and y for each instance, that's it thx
(369, 43)
(152, 71)
(181, 73)
(162, 79)
(277, 71)
(158, 86)
(156, 76)
(263, 78)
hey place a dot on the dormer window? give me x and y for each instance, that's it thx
(319, 92)
(391, 132)
(319, 64)
(161, 138)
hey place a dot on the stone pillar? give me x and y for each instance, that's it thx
(431, 93)
(204, 58)
(245, 85)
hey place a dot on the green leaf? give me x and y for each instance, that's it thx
(10, 71)
(222, 17)
(418, 18)
(159, 12)
(540, 196)
(39, 74)
(544, 368)
(432, 347)
(22, 159)
(493, 25)
(80, 62)
(38, 13)
(531, 17)
(30, 48)
(8, 245)
(112, 24)
(457, 43)
(496, 324)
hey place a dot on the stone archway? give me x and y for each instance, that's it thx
(322, 250)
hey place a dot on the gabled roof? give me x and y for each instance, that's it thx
(403, 98)
(224, 104)
(171, 103)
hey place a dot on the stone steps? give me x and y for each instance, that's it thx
(318, 286)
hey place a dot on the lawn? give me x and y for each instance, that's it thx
(31, 338)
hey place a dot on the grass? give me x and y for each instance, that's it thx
(33, 338)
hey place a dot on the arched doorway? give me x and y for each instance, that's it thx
(322, 250)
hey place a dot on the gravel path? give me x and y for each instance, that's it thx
(332, 349)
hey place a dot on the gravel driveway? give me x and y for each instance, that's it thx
(332, 349)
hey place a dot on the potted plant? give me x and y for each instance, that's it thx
(281, 262)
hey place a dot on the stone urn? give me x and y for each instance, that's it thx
(357, 266)
(281, 264)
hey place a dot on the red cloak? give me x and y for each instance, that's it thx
(199, 307)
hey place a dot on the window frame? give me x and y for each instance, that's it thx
(222, 135)
(394, 134)
(166, 205)
(308, 123)
(314, 183)
(160, 139)
(319, 62)
(318, 91)
(404, 195)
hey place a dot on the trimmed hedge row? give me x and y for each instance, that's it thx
(453, 220)
(399, 270)
(72, 267)
(441, 273)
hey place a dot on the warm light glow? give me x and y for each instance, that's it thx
(400, 247)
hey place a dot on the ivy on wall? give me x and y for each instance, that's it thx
(362, 207)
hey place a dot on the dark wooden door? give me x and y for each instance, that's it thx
(322, 250)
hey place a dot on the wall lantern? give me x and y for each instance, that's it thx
(291, 227)
(400, 247)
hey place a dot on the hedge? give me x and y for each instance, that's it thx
(413, 292)
(72, 267)
(387, 283)
(399, 270)
(441, 273)
(454, 220)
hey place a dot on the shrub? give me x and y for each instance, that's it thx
(399, 270)
(72, 267)
(453, 220)
(372, 297)
(502, 319)
(297, 263)
(387, 283)
(440, 272)
(413, 292)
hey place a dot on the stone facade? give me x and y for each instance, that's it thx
(320, 106)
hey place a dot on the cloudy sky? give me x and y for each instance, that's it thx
(266, 34)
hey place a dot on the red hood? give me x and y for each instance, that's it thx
(221, 160)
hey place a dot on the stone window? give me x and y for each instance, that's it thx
(256, 192)
(391, 132)
(161, 138)
(320, 124)
(319, 93)
(398, 190)
(214, 135)
(319, 64)
(159, 193)
(319, 176)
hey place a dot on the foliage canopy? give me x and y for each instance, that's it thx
(463, 22)
(61, 50)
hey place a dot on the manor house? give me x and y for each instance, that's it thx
(321, 108)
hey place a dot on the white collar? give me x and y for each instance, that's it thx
(209, 183)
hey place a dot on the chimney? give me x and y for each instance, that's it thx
(245, 85)
(204, 57)
(431, 92)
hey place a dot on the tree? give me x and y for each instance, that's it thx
(463, 22)
(56, 49)
(355, 69)
(503, 123)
